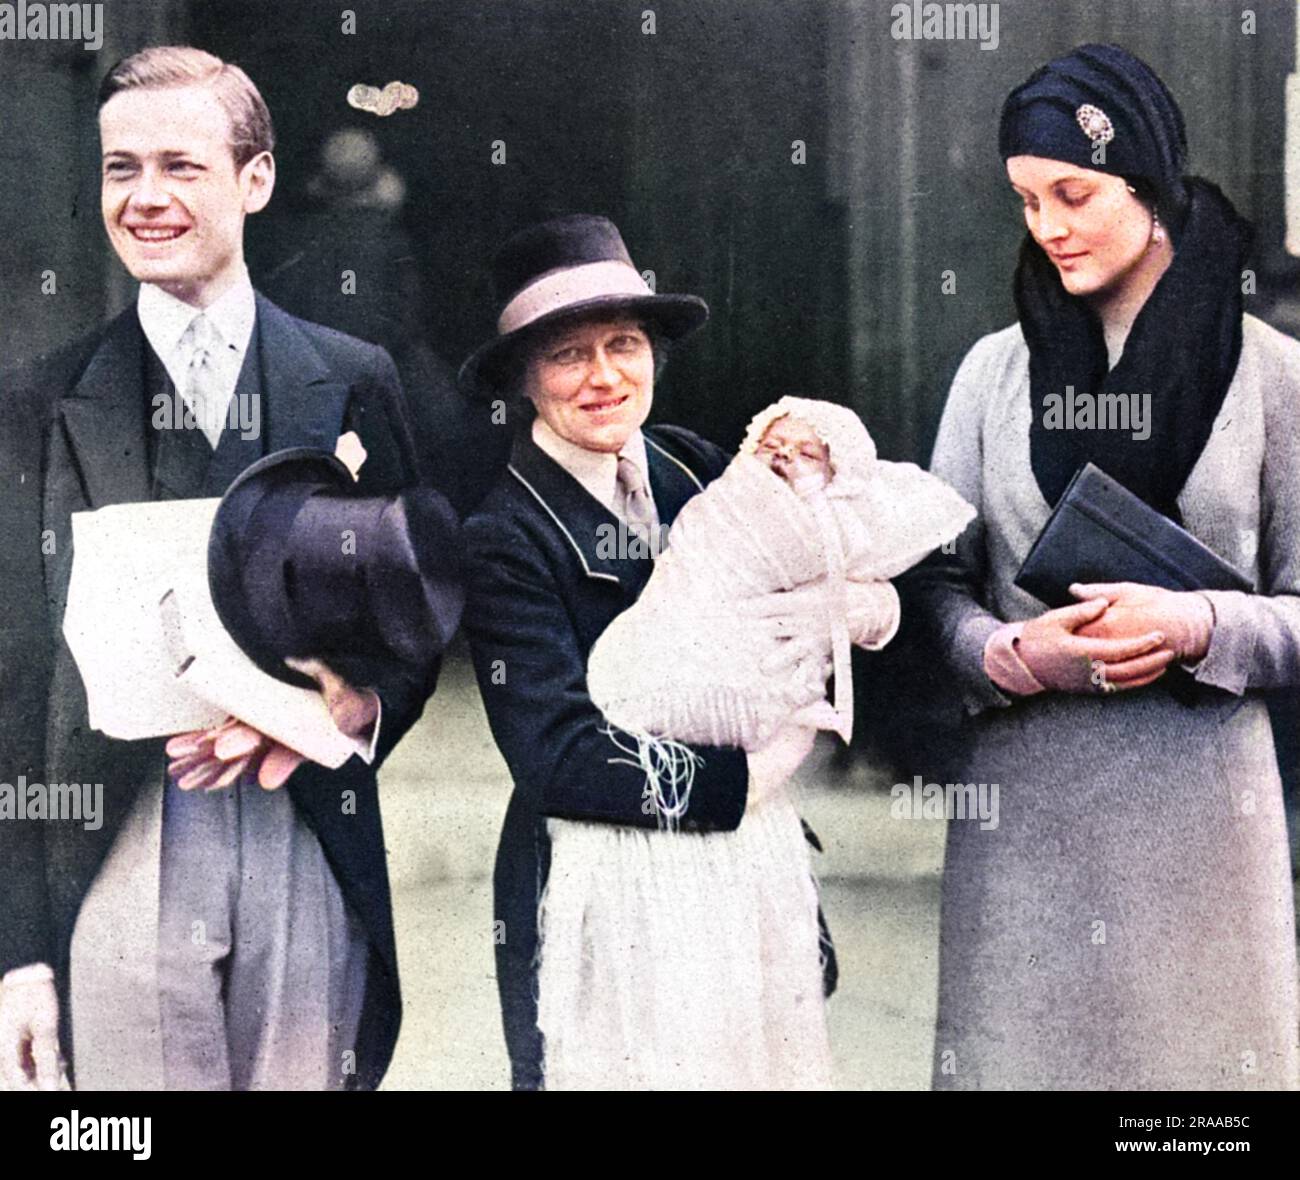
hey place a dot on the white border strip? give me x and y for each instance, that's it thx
(695, 479)
(560, 525)
(563, 288)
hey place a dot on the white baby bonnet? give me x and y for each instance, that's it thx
(902, 512)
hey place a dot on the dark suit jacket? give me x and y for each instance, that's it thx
(76, 438)
(540, 593)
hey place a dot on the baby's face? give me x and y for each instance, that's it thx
(791, 448)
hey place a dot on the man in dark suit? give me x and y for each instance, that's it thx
(543, 582)
(234, 938)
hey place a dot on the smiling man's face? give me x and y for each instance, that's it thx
(173, 200)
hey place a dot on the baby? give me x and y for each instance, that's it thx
(764, 558)
(797, 453)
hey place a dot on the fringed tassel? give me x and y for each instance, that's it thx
(669, 769)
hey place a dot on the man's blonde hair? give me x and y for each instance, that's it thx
(163, 66)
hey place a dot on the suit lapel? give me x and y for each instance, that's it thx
(105, 417)
(105, 414)
(98, 455)
(302, 407)
(589, 528)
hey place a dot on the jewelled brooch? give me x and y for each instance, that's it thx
(1095, 123)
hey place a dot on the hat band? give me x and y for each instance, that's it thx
(564, 288)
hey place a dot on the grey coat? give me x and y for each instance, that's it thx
(1129, 923)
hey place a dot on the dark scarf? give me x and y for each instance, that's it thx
(1182, 350)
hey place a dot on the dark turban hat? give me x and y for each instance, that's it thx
(1102, 108)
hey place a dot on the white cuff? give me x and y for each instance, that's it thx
(366, 747)
(881, 638)
(1004, 666)
(31, 973)
(877, 632)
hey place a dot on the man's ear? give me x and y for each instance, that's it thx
(257, 179)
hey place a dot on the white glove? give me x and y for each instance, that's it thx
(772, 764)
(874, 613)
(787, 612)
(29, 1029)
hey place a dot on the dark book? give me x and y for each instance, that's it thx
(1099, 531)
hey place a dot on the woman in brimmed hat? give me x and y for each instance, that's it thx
(559, 548)
(1128, 924)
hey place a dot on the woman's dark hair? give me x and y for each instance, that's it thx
(1144, 191)
(1163, 206)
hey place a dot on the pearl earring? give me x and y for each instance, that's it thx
(1157, 230)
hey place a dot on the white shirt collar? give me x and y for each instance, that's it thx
(596, 471)
(164, 318)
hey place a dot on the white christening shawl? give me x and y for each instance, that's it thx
(692, 960)
(685, 663)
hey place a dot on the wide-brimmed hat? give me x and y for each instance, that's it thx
(300, 565)
(567, 268)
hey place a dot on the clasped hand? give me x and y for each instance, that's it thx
(1119, 636)
(215, 758)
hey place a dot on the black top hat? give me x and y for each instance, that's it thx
(567, 268)
(300, 565)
